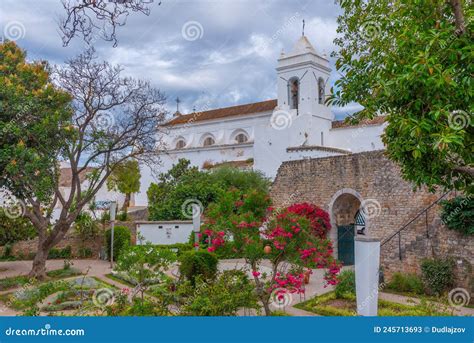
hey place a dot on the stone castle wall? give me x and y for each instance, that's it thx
(376, 182)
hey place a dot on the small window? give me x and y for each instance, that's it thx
(241, 138)
(180, 144)
(321, 94)
(293, 95)
(208, 141)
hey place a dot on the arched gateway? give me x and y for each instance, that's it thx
(347, 220)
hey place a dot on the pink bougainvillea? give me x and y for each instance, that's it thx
(318, 218)
(296, 234)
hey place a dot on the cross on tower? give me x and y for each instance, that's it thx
(303, 26)
(177, 103)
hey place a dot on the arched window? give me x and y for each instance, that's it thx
(180, 144)
(241, 138)
(208, 141)
(294, 93)
(321, 94)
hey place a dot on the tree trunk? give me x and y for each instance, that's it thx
(126, 202)
(39, 263)
(261, 293)
(45, 243)
(458, 16)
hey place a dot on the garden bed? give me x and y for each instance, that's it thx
(53, 296)
(329, 305)
(18, 281)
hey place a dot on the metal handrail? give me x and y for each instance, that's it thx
(414, 218)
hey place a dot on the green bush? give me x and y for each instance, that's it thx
(346, 284)
(178, 248)
(85, 252)
(15, 229)
(194, 263)
(231, 291)
(86, 227)
(55, 253)
(458, 214)
(122, 239)
(122, 216)
(7, 251)
(185, 183)
(402, 282)
(438, 274)
(244, 180)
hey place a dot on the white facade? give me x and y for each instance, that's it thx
(297, 125)
(164, 232)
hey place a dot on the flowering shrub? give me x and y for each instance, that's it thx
(296, 235)
(319, 219)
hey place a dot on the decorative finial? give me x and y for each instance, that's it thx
(177, 104)
(194, 109)
(303, 27)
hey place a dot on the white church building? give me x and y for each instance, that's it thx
(262, 135)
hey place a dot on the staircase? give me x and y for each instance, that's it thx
(421, 240)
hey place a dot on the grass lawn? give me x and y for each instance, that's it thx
(329, 305)
(443, 299)
(18, 281)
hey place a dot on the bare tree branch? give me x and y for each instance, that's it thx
(98, 19)
(115, 119)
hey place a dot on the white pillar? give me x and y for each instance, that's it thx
(196, 224)
(367, 263)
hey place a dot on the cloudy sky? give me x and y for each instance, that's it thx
(209, 53)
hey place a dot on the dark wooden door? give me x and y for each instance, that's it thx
(345, 244)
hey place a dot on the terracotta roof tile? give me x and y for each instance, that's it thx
(236, 164)
(257, 107)
(343, 123)
(65, 176)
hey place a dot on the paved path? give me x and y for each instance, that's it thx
(15, 268)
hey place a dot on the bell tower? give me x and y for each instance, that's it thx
(303, 81)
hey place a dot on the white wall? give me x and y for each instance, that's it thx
(164, 232)
(357, 139)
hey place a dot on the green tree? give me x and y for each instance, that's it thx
(95, 121)
(34, 124)
(177, 189)
(413, 62)
(125, 179)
